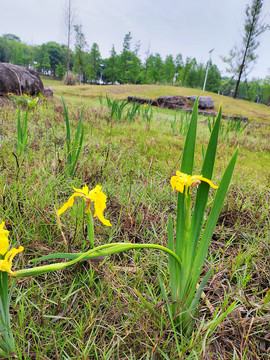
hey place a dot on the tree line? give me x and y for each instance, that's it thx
(126, 67)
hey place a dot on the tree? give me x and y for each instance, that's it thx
(185, 77)
(154, 65)
(11, 37)
(8, 45)
(12, 50)
(266, 91)
(134, 69)
(80, 56)
(111, 69)
(94, 63)
(201, 70)
(113, 66)
(192, 78)
(213, 79)
(168, 70)
(125, 57)
(241, 58)
(19, 53)
(255, 90)
(46, 64)
(60, 71)
(56, 56)
(69, 19)
(134, 66)
(179, 63)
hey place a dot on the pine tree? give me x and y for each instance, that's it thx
(240, 59)
(111, 71)
(168, 70)
(125, 57)
(80, 56)
(94, 63)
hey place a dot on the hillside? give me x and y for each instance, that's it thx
(253, 111)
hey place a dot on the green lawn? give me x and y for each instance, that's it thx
(92, 310)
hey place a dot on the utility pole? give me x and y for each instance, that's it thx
(207, 68)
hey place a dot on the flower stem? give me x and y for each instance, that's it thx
(90, 228)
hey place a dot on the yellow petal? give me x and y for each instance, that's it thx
(68, 204)
(99, 199)
(181, 180)
(4, 243)
(179, 187)
(11, 253)
(83, 191)
(78, 192)
(95, 195)
(173, 182)
(102, 218)
(5, 265)
(195, 178)
(209, 182)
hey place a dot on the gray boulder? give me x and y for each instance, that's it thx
(168, 102)
(175, 102)
(141, 100)
(171, 102)
(205, 102)
(47, 92)
(18, 80)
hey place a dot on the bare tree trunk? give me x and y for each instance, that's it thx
(69, 15)
(231, 79)
(68, 33)
(240, 73)
(80, 75)
(251, 31)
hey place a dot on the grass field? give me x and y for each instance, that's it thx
(92, 310)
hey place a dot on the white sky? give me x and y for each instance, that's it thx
(189, 27)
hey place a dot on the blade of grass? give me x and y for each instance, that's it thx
(147, 305)
(200, 205)
(212, 220)
(172, 265)
(186, 167)
(68, 131)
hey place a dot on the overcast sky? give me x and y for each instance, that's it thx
(189, 27)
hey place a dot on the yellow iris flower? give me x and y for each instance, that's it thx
(6, 263)
(4, 244)
(95, 195)
(181, 180)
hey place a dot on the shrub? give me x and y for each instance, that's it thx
(69, 79)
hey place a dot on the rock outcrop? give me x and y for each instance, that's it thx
(19, 80)
(205, 102)
(171, 102)
(184, 103)
(176, 102)
(168, 102)
(47, 92)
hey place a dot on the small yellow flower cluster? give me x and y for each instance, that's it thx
(6, 263)
(181, 180)
(96, 196)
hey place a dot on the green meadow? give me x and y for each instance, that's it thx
(106, 308)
